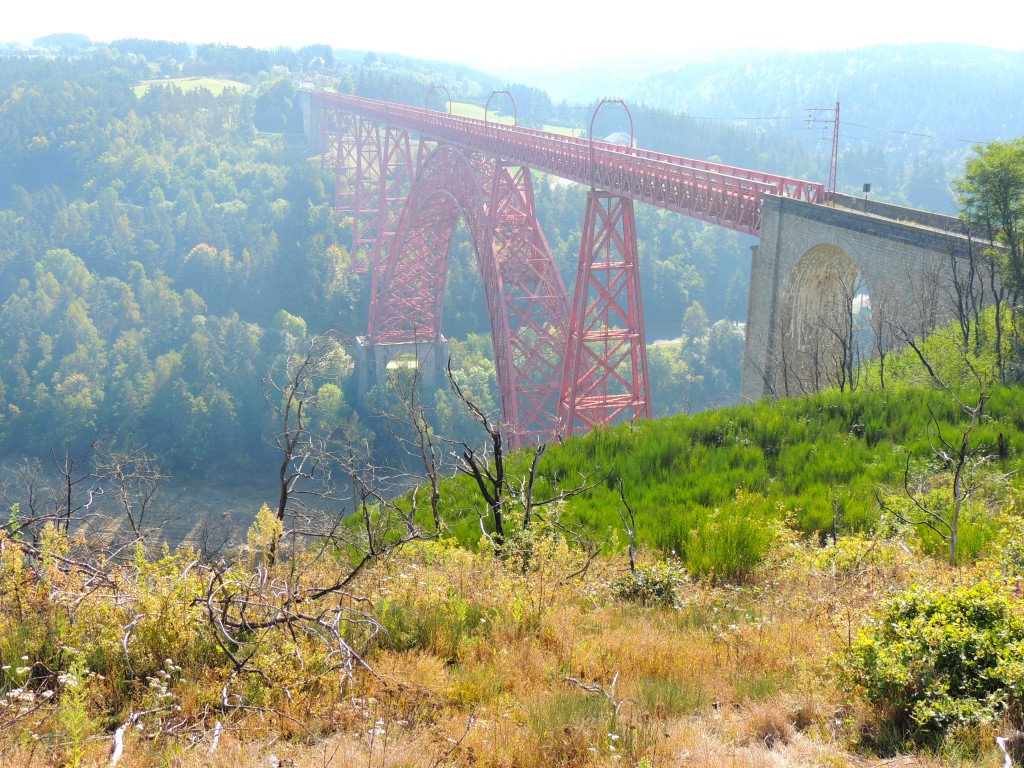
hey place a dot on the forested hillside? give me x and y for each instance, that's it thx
(165, 243)
(152, 246)
(909, 114)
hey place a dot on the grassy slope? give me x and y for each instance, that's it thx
(464, 109)
(801, 460)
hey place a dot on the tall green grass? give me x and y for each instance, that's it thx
(716, 488)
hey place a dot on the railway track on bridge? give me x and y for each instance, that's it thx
(724, 195)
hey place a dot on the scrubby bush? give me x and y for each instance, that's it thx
(651, 584)
(1007, 549)
(728, 543)
(938, 660)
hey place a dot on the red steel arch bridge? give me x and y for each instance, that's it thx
(564, 364)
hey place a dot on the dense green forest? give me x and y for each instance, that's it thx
(164, 244)
(141, 238)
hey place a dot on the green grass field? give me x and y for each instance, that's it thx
(214, 85)
(463, 109)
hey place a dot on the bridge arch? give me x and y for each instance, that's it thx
(902, 261)
(825, 321)
(526, 298)
(408, 289)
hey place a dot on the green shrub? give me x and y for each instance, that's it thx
(730, 542)
(1008, 545)
(653, 584)
(441, 626)
(940, 660)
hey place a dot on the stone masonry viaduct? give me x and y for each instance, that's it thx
(813, 260)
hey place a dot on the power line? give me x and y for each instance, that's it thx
(914, 133)
(775, 118)
(843, 123)
(781, 119)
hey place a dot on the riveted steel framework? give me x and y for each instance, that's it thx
(396, 171)
(373, 170)
(713, 192)
(535, 302)
(606, 372)
(557, 373)
(526, 298)
(338, 151)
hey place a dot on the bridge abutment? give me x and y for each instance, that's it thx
(810, 267)
(375, 361)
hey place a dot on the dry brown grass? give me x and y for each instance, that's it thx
(487, 664)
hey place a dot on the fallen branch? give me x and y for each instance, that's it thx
(608, 693)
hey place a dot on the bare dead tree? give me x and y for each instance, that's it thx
(411, 429)
(976, 284)
(883, 304)
(307, 465)
(999, 267)
(499, 490)
(959, 456)
(812, 365)
(530, 483)
(629, 525)
(73, 471)
(308, 589)
(840, 331)
(477, 465)
(772, 373)
(820, 339)
(908, 338)
(607, 691)
(212, 535)
(1000, 295)
(62, 497)
(133, 478)
(921, 315)
(245, 606)
(107, 494)
(26, 489)
(966, 288)
(1012, 747)
(526, 487)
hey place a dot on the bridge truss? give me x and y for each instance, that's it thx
(406, 174)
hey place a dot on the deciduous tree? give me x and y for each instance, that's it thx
(991, 198)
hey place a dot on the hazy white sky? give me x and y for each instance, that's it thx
(496, 34)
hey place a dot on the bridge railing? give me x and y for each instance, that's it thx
(714, 192)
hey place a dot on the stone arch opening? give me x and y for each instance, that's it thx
(828, 323)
